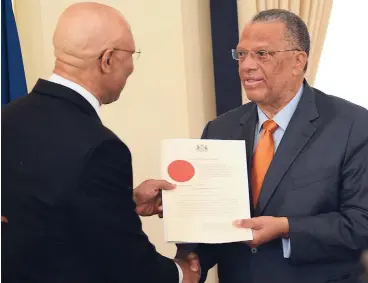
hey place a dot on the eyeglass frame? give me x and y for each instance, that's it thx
(124, 50)
(235, 51)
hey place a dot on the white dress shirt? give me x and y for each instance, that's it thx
(77, 88)
(282, 119)
(96, 105)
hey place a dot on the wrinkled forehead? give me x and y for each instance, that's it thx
(263, 35)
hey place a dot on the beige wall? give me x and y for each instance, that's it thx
(171, 92)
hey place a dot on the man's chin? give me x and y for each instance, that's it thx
(255, 96)
(111, 99)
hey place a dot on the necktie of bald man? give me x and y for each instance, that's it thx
(262, 158)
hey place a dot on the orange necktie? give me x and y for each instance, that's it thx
(262, 158)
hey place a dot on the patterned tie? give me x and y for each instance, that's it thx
(262, 158)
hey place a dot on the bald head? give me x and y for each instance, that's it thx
(84, 30)
(86, 38)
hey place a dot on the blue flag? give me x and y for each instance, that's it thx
(13, 80)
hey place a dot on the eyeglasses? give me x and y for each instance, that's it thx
(135, 53)
(259, 55)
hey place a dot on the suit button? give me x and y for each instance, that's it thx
(253, 250)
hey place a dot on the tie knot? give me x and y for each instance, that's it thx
(270, 125)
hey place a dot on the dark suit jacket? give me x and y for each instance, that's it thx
(318, 179)
(67, 194)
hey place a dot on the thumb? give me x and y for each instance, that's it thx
(163, 185)
(193, 261)
(244, 223)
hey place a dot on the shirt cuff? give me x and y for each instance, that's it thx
(286, 247)
(180, 272)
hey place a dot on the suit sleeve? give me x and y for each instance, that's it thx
(341, 234)
(109, 230)
(206, 252)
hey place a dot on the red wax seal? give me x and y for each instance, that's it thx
(181, 171)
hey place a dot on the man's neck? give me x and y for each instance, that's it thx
(80, 82)
(89, 97)
(271, 109)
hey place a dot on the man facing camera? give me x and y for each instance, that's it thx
(307, 156)
(69, 213)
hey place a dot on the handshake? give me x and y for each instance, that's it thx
(148, 199)
(190, 268)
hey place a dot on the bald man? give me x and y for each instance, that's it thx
(69, 213)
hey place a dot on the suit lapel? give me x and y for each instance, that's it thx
(246, 132)
(296, 136)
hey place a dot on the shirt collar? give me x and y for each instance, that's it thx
(77, 88)
(283, 117)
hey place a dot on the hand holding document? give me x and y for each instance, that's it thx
(211, 190)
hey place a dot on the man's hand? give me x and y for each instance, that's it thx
(264, 228)
(365, 263)
(190, 268)
(147, 196)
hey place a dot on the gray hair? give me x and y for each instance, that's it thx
(296, 29)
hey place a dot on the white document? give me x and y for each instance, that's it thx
(212, 190)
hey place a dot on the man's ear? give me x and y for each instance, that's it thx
(106, 60)
(301, 61)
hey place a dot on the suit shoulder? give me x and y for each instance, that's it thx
(340, 106)
(8, 109)
(99, 137)
(225, 124)
(112, 147)
(235, 114)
